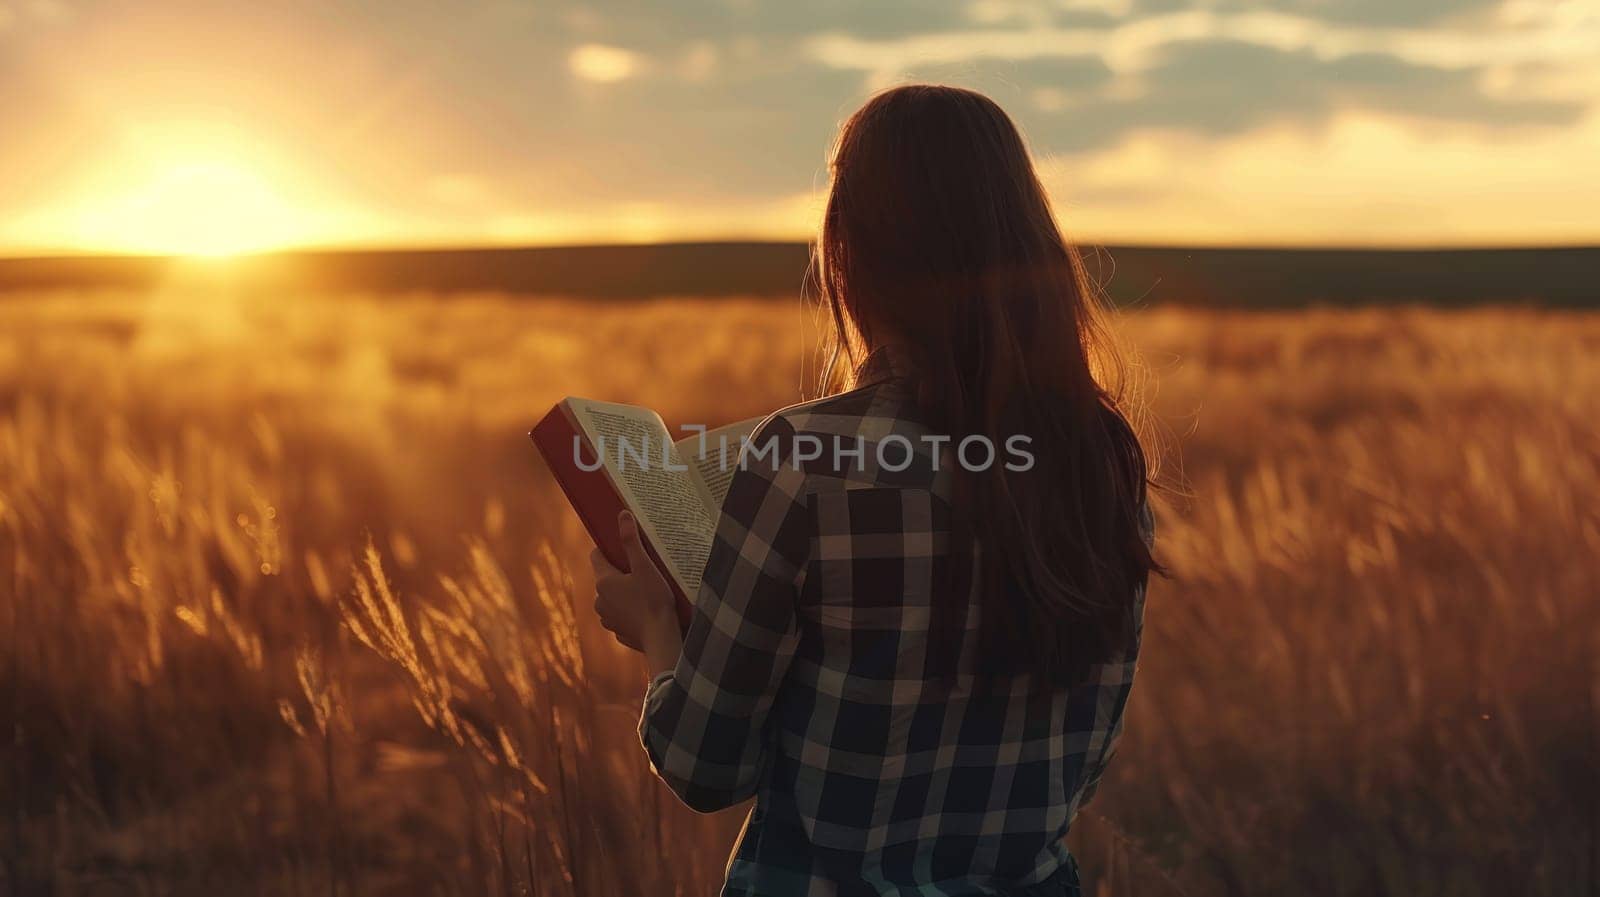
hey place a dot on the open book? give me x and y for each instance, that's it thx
(608, 457)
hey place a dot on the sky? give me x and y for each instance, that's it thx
(177, 126)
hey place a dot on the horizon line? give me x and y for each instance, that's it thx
(46, 254)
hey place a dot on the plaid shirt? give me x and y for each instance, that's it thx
(803, 682)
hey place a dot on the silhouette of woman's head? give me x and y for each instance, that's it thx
(939, 239)
(932, 189)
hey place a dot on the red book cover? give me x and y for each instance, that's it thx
(592, 493)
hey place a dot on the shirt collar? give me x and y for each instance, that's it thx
(882, 364)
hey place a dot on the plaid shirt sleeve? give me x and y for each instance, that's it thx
(702, 722)
(1114, 681)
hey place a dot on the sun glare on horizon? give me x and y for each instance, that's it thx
(200, 207)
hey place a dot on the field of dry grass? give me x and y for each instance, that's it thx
(288, 605)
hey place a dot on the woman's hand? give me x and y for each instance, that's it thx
(637, 606)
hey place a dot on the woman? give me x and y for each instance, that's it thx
(916, 662)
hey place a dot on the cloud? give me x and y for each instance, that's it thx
(17, 13)
(1137, 42)
(1219, 88)
(698, 61)
(759, 127)
(603, 64)
(1362, 179)
(1215, 72)
(1363, 12)
(1053, 84)
(670, 26)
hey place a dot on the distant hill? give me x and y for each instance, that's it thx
(1251, 278)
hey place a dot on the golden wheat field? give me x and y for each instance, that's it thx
(289, 605)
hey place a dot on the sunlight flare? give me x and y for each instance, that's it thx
(205, 207)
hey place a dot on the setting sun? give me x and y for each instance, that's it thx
(199, 207)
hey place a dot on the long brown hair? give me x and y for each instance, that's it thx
(939, 238)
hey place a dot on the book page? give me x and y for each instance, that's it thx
(656, 483)
(715, 456)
